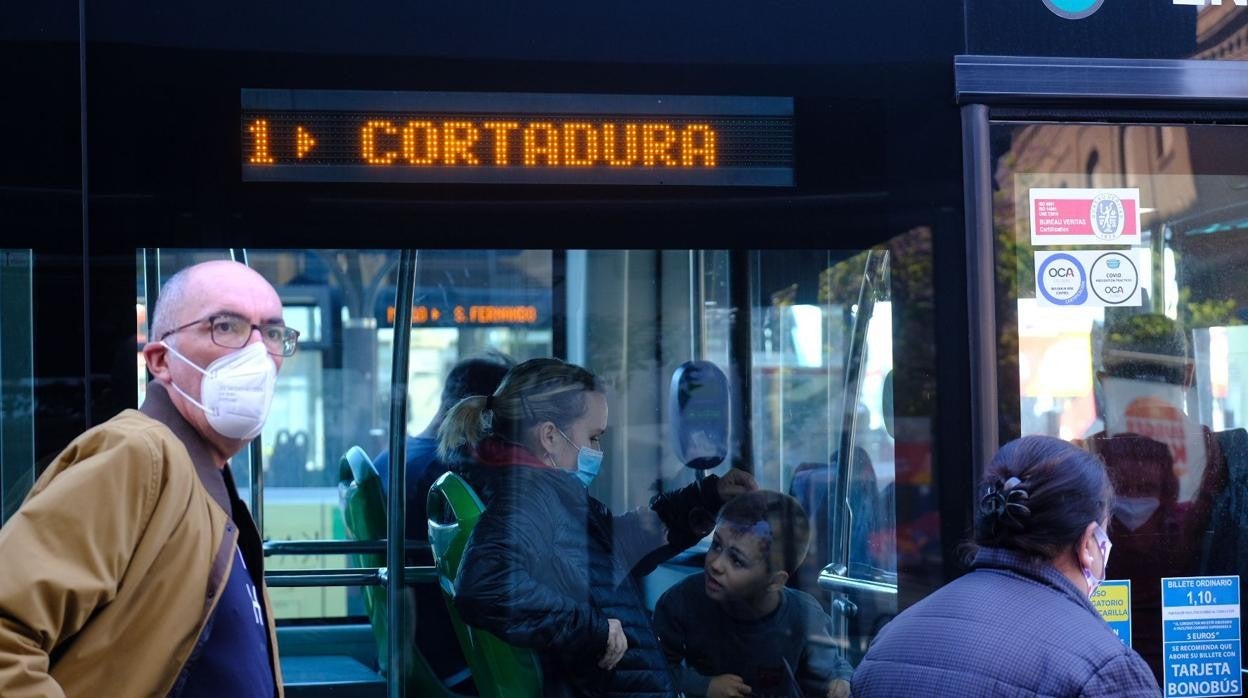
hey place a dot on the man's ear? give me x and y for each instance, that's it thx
(778, 580)
(157, 358)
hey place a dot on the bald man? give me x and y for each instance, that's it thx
(133, 568)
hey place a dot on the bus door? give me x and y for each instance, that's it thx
(1108, 278)
(861, 569)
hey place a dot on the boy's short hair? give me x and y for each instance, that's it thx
(777, 519)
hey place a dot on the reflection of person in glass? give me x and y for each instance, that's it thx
(475, 375)
(548, 567)
(735, 630)
(133, 568)
(1021, 622)
(1165, 467)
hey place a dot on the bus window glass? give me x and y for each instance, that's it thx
(17, 366)
(329, 397)
(1122, 329)
(806, 339)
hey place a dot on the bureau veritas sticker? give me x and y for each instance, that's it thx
(1085, 217)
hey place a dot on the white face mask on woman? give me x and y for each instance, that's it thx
(236, 391)
(1102, 542)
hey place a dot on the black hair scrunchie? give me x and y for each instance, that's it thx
(1006, 503)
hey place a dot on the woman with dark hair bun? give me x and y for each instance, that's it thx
(1020, 623)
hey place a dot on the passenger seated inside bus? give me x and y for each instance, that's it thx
(871, 543)
(548, 567)
(471, 376)
(1168, 469)
(735, 629)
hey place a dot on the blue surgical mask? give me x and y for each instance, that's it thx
(588, 461)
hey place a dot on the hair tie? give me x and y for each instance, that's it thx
(1006, 502)
(487, 415)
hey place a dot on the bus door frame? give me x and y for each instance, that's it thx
(1059, 90)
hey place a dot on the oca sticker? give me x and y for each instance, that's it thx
(1061, 280)
(1114, 278)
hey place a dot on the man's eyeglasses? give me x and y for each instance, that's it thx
(233, 332)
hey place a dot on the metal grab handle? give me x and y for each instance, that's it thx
(834, 578)
(349, 577)
(333, 547)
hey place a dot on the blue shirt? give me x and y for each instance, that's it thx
(233, 656)
(422, 470)
(434, 633)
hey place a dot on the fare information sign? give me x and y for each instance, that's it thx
(1200, 623)
(511, 138)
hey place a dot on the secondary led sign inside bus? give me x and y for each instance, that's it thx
(348, 136)
(471, 315)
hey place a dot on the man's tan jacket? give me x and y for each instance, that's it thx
(113, 565)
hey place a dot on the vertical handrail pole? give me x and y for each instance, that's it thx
(396, 507)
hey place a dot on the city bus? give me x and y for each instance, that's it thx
(859, 212)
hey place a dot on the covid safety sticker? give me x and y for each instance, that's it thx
(1112, 599)
(1201, 636)
(1085, 217)
(1092, 278)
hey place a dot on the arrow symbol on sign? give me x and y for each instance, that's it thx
(304, 142)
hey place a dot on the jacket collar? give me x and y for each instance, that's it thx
(496, 452)
(1031, 567)
(159, 407)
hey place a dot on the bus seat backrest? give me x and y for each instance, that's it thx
(498, 669)
(364, 516)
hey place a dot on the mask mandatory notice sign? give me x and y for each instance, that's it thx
(1112, 599)
(1200, 631)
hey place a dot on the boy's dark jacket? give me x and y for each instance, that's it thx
(548, 564)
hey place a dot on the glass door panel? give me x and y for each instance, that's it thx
(1122, 300)
(17, 380)
(811, 340)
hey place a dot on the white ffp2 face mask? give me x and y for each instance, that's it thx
(1102, 542)
(236, 391)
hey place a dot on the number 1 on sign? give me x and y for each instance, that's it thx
(1200, 597)
(260, 143)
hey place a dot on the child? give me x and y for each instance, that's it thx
(735, 627)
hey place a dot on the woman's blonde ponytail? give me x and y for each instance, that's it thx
(466, 424)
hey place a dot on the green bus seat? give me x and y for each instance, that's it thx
(364, 515)
(498, 669)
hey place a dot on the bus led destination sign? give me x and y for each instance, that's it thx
(474, 137)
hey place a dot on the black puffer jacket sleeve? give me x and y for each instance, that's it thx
(496, 589)
(675, 520)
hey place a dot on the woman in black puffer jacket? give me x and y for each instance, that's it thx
(549, 567)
